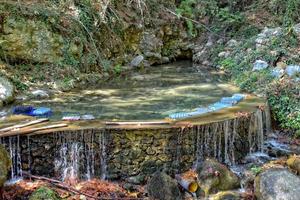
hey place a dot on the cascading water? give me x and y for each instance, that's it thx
(12, 144)
(79, 155)
(219, 139)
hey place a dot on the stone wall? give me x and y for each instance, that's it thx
(133, 155)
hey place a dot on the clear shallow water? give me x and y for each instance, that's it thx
(152, 93)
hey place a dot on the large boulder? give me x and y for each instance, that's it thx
(44, 193)
(214, 177)
(5, 164)
(6, 91)
(161, 186)
(277, 184)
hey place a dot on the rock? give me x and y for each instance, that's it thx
(257, 158)
(277, 72)
(137, 61)
(276, 149)
(228, 195)
(4, 165)
(161, 186)
(292, 70)
(44, 193)
(214, 177)
(6, 91)
(232, 43)
(294, 163)
(48, 46)
(260, 65)
(296, 29)
(277, 184)
(40, 94)
(224, 54)
(138, 179)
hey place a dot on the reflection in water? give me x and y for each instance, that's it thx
(153, 93)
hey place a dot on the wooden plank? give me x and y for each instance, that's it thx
(25, 131)
(18, 126)
(137, 123)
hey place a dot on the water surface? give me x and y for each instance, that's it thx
(152, 93)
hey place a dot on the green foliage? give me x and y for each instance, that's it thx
(20, 85)
(117, 69)
(286, 10)
(186, 9)
(284, 99)
(229, 18)
(44, 193)
(256, 170)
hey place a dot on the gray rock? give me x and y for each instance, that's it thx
(6, 91)
(296, 28)
(224, 54)
(41, 94)
(163, 187)
(292, 70)
(277, 184)
(277, 72)
(136, 62)
(260, 65)
(232, 43)
(272, 32)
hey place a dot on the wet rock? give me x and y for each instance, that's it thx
(276, 149)
(44, 193)
(40, 94)
(257, 158)
(277, 184)
(260, 65)
(214, 177)
(228, 195)
(137, 61)
(294, 163)
(162, 186)
(4, 165)
(6, 91)
(292, 70)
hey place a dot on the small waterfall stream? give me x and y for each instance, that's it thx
(219, 139)
(12, 144)
(78, 155)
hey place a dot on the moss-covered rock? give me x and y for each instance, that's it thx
(227, 195)
(44, 193)
(163, 187)
(214, 176)
(5, 164)
(294, 163)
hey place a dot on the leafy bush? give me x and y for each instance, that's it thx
(284, 98)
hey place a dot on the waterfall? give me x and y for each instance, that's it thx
(15, 154)
(103, 156)
(219, 139)
(77, 154)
